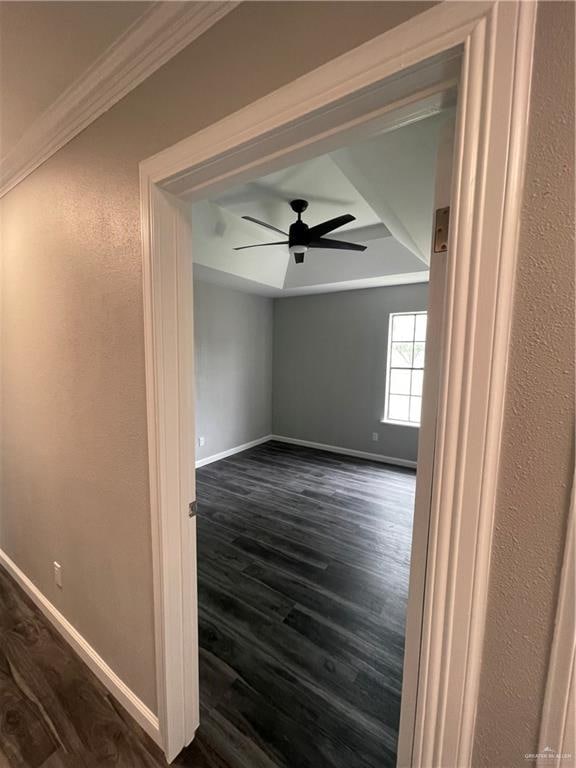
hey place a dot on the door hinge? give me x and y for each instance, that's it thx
(193, 509)
(441, 226)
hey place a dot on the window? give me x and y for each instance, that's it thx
(405, 367)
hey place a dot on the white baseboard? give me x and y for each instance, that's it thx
(346, 451)
(307, 444)
(232, 451)
(127, 698)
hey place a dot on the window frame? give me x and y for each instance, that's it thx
(385, 419)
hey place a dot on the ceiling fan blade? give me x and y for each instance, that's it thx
(260, 245)
(328, 226)
(263, 224)
(339, 245)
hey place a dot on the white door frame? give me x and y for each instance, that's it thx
(496, 41)
(557, 743)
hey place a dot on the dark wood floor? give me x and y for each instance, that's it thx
(53, 712)
(303, 574)
(303, 561)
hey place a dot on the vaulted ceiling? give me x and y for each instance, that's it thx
(386, 182)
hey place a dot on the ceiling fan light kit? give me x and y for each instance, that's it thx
(298, 252)
(301, 237)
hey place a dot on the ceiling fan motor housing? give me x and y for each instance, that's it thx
(298, 234)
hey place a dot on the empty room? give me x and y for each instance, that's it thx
(309, 368)
(287, 384)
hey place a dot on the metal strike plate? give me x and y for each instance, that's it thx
(441, 224)
(193, 509)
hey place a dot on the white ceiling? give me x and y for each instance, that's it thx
(386, 182)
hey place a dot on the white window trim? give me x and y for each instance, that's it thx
(400, 423)
(384, 419)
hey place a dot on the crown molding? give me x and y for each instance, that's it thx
(158, 35)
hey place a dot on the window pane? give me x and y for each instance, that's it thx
(401, 355)
(398, 407)
(421, 320)
(415, 408)
(403, 328)
(399, 382)
(417, 378)
(419, 347)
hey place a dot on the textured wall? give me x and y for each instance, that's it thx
(330, 368)
(538, 449)
(75, 485)
(233, 352)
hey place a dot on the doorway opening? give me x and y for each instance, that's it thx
(310, 375)
(347, 100)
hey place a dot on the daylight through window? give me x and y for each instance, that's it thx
(405, 367)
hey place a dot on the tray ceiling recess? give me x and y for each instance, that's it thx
(386, 183)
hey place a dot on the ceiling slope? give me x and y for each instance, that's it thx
(395, 173)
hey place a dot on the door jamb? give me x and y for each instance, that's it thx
(559, 708)
(497, 41)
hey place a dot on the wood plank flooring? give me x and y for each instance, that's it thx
(54, 713)
(303, 561)
(303, 577)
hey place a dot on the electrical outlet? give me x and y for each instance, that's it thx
(201, 441)
(58, 574)
(375, 437)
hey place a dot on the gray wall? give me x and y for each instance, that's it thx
(233, 349)
(330, 368)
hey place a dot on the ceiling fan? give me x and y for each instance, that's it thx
(301, 237)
